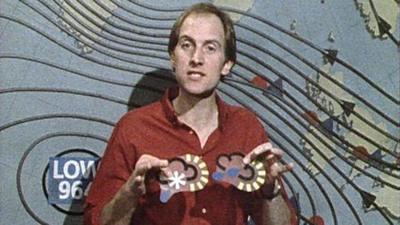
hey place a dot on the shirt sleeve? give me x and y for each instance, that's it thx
(293, 213)
(114, 170)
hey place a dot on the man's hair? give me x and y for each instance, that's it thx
(206, 8)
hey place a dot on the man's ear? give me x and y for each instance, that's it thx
(172, 60)
(227, 68)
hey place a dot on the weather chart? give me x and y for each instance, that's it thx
(322, 76)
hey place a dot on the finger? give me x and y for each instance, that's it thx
(138, 180)
(289, 167)
(158, 163)
(166, 172)
(146, 164)
(273, 157)
(285, 168)
(274, 153)
(141, 169)
(256, 152)
(140, 189)
(137, 184)
(155, 162)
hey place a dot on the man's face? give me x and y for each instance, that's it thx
(199, 56)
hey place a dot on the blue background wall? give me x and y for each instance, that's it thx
(323, 76)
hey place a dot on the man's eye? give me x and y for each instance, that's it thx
(186, 45)
(211, 48)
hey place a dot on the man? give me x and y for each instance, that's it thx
(189, 119)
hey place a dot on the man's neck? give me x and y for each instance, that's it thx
(197, 112)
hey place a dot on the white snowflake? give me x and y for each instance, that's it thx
(177, 180)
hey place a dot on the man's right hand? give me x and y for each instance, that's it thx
(127, 197)
(144, 164)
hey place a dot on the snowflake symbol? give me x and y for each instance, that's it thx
(177, 180)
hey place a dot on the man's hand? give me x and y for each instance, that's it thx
(270, 156)
(127, 197)
(274, 209)
(144, 164)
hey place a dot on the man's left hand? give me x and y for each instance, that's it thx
(270, 156)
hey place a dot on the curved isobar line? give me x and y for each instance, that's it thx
(203, 171)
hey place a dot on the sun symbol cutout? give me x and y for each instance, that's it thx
(177, 179)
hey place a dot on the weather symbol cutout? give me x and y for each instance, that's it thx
(188, 173)
(231, 169)
(176, 180)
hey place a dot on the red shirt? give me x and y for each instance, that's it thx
(155, 130)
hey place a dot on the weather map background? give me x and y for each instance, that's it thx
(323, 77)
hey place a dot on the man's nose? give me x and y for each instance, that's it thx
(197, 57)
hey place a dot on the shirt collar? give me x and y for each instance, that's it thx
(172, 116)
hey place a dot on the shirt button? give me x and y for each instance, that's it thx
(190, 132)
(204, 210)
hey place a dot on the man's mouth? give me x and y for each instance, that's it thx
(195, 75)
